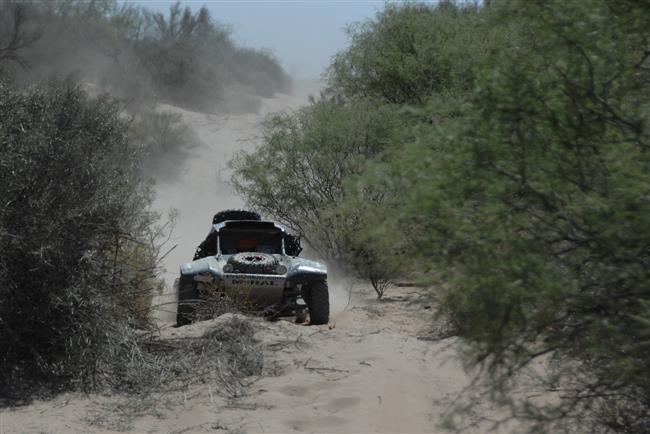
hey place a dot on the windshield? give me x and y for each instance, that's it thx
(237, 240)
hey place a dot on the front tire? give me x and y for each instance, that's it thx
(316, 296)
(188, 293)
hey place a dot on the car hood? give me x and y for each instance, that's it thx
(214, 265)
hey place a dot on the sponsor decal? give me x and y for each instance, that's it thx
(261, 281)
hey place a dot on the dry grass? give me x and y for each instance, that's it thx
(213, 303)
(150, 374)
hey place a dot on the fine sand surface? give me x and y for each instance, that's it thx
(373, 369)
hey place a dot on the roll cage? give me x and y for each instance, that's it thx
(269, 238)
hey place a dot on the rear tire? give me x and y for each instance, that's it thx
(316, 296)
(187, 294)
(235, 214)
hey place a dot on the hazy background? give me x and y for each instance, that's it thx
(302, 34)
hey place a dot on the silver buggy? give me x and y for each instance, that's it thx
(255, 262)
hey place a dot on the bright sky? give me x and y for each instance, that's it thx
(303, 35)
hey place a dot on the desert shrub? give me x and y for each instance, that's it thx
(136, 262)
(150, 372)
(365, 222)
(194, 62)
(524, 190)
(185, 57)
(166, 142)
(212, 303)
(87, 41)
(179, 56)
(224, 353)
(16, 33)
(297, 175)
(404, 56)
(261, 71)
(534, 202)
(410, 51)
(74, 235)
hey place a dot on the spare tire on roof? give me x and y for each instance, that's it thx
(235, 214)
(253, 262)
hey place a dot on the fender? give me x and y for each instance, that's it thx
(201, 269)
(306, 271)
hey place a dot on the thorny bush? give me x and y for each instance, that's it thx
(77, 248)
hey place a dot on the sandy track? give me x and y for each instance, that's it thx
(368, 371)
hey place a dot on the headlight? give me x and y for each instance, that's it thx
(281, 269)
(227, 268)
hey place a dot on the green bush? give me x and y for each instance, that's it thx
(73, 217)
(518, 177)
(411, 51)
(534, 202)
(297, 175)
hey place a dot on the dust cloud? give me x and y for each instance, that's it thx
(203, 186)
(340, 290)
